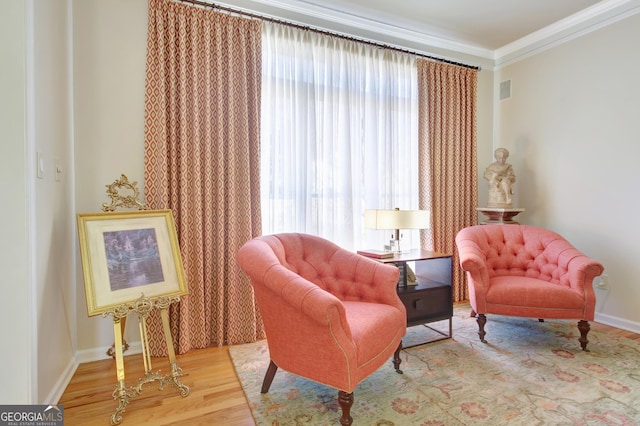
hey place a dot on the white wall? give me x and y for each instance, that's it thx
(485, 129)
(16, 302)
(54, 214)
(38, 303)
(572, 126)
(109, 72)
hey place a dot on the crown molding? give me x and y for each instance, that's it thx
(590, 19)
(352, 25)
(375, 26)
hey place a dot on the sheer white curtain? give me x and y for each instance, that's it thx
(338, 136)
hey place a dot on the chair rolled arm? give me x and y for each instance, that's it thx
(474, 261)
(582, 270)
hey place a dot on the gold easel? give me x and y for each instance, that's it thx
(142, 306)
(130, 201)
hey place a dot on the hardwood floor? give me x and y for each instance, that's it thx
(216, 396)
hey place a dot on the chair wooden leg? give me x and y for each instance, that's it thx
(482, 320)
(346, 401)
(396, 358)
(584, 328)
(268, 378)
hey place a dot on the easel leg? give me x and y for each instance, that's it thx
(142, 325)
(176, 372)
(120, 393)
(112, 351)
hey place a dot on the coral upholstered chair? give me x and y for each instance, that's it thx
(330, 315)
(524, 271)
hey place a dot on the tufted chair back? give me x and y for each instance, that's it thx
(525, 251)
(326, 265)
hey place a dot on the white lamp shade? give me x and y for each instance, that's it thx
(397, 219)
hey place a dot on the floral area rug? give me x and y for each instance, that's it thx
(529, 373)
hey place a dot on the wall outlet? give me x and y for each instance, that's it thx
(602, 282)
(57, 168)
(39, 165)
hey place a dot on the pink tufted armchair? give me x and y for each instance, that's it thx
(331, 316)
(524, 271)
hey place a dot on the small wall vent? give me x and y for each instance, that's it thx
(505, 89)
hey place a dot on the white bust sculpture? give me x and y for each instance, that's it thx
(500, 177)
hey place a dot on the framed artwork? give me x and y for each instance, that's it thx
(128, 254)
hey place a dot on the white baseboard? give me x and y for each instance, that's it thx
(62, 383)
(83, 356)
(96, 354)
(618, 322)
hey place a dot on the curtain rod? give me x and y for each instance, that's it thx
(324, 32)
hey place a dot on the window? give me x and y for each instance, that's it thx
(338, 134)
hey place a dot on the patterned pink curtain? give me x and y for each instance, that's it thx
(202, 128)
(447, 156)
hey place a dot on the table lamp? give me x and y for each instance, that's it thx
(396, 219)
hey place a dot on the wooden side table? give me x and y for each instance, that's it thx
(431, 299)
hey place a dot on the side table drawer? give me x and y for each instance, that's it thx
(427, 304)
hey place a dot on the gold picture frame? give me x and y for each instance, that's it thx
(128, 254)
